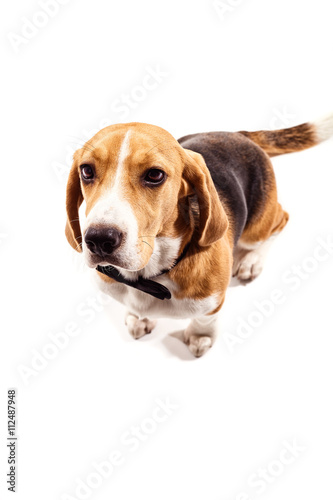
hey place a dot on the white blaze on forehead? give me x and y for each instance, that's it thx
(124, 150)
(123, 154)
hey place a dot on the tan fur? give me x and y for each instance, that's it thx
(289, 140)
(205, 272)
(272, 220)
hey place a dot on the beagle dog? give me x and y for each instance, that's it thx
(167, 222)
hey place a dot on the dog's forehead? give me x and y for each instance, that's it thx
(140, 142)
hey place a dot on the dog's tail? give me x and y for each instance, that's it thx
(290, 140)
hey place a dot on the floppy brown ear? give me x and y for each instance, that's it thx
(213, 221)
(74, 199)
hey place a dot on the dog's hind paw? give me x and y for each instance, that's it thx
(248, 268)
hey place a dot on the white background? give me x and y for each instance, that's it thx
(263, 64)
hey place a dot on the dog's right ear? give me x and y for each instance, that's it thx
(74, 198)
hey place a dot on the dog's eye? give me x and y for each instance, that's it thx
(154, 176)
(87, 172)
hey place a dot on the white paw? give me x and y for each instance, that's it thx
(198, 344)
(249, 266)
(139, 327)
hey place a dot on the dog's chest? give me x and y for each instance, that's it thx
(143, 304)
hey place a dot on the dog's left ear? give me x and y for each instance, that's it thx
(213, 221)
(74, 198)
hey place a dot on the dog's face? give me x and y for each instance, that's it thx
(135, 180)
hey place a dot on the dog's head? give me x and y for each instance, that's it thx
(135, 180)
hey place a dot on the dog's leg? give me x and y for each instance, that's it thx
(138, 327)
(200, 334)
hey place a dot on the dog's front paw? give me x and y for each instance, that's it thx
(200, 334)
(139, 327)
(198, 344)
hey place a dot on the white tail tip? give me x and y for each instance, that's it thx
(324, 127)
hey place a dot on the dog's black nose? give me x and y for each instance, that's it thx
(103, 241)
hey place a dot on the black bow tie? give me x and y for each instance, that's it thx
(143, 284)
